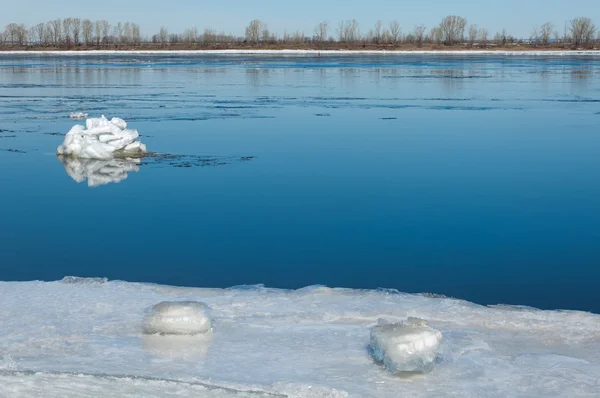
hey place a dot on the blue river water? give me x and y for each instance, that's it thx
(476, 177)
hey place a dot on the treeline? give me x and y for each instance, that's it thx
(72, 33)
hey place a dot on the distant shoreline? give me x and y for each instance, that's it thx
(317, 52)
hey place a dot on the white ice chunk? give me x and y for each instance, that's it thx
(409, 346)
(99, 172)
(78, 115)
(177, 317)
(101, 139)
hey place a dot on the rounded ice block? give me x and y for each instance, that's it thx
(177, 317)
(101, 139)
(409, 346)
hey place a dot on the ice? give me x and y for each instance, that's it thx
(99, 172)
(177, 317)
(101, 139)
(78, 115)
(88, 339)
(409, 346)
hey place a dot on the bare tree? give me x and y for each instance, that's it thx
(483, 36)
(86, 30)
(535, 36)
(353, 31)
(40, 30)
(98, 32)
(452, 28)
(105, 30)
(136, 36)
(419, 33)
(118, 33)
(502, 38)
(321, 31)
(437, 35)
(66, 25)
(76, 29)
(190, 35)
(209, 36)
(394, 31)
(163, 36)
(473, 31)
(265, 35)
(545, 33)
(377, 32)
(254, 30)
(582, 30)
(56, 31)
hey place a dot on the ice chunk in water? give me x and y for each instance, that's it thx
(409, 346)
(177, 317)
(101, 139)
(78, 115)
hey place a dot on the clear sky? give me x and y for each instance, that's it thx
(517, 16)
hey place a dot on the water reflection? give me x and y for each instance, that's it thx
(99, 172)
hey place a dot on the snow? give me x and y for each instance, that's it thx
(78, 115)
(99, 172)
(177, 317)
(310, 52)
(85, 337)
(409, 346)
(101, 139)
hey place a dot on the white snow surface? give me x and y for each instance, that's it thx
(101, 139)
(99, 172)
(409, 346)
(311, 52)
(85, 337)
(177, 317)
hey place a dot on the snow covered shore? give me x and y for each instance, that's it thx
(86, 337)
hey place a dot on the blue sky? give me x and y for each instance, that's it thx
(517, 16)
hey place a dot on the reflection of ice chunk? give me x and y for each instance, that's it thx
(172, 317)
(101, 139)
(410, 346)
(177, 346)
(99, 172)
(78, 115)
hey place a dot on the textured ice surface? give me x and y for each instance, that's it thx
(409, 346)
(177, 317)
(86, 338)
(101, 139)
(97, 171)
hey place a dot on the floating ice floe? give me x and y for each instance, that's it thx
(409, 346)
(101, 139)
(78, 115)
(177, 317)
(99, 172)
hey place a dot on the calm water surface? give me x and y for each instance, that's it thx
(475, 177)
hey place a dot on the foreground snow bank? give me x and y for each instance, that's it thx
(172, 317)
(101, 139)
(304, 343)
(409, 346)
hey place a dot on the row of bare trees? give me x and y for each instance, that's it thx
(71, 32)
(452, 30)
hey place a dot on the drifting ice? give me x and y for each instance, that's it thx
(78, 115)
(101, 139)
(410, 346)
(177, 317)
